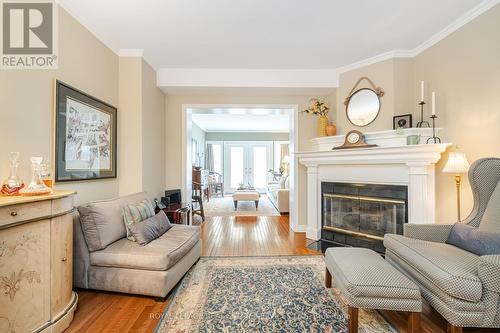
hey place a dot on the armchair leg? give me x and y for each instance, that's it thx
(454, 329)
(414, 322)
(328, 279)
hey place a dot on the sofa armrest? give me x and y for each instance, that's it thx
(489, 272)
(429, 232)
(81, 255)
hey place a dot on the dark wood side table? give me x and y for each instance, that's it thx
(178, 213)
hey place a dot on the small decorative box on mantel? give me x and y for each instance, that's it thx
(389, 138)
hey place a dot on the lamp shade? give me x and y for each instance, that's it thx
(457, 163)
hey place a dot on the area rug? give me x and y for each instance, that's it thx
(261, 294)
(224, 206)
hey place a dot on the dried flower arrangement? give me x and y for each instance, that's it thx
(317, 108)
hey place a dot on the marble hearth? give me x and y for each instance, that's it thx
(391, 163)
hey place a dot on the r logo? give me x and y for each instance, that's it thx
(27, 28)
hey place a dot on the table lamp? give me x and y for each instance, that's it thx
(457, 163)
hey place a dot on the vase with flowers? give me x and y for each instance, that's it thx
(320, 109)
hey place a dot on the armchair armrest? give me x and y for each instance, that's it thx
(489, 272)
(429, 232)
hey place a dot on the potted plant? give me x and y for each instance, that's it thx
(320, 109)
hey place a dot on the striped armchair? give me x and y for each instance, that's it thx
(462, 286)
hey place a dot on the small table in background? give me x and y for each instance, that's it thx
(178, 213)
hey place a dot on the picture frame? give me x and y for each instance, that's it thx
(85, 136)
(402, 121)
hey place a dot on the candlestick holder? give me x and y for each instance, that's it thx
(422, 121)
(434, 138)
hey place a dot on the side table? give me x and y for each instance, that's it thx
(178, 213)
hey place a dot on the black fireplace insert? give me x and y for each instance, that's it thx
(361, 214)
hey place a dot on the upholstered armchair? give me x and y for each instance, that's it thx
(462, 286)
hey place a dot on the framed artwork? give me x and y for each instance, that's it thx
(85, 136)
(402, 121)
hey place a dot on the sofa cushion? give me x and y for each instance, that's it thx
(135, 213)
(474, 240)
(159, 255)
(451, 269)
(150, 229)
(102, 221)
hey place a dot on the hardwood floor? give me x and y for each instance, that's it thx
(222, 236)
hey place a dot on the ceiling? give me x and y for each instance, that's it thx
(241, 119)
(265, 34)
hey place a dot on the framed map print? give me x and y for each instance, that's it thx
(85, 136)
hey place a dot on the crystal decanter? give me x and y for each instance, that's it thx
(13, 184)
(36, 185)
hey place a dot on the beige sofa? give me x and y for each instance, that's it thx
(105, 259)
(279, 193)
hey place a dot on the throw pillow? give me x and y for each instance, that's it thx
(151, 228)
(474, 240)
(133, 214)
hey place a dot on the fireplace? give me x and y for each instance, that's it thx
(360, 215)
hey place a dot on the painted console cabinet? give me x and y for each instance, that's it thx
(36, 263)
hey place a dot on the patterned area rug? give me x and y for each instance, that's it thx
(224, 206)
(261, 294)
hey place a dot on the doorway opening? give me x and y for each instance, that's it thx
(242, 156)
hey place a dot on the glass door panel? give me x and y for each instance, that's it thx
(260, 163)
(237, 169)
(247, 163)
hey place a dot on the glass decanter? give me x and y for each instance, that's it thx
(36, 185)
(45, 174)
(13, 184)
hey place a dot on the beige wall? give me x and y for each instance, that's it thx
(26, 102)
(153, 134)
(142, 135)
(26, 112)
(306, 129)
(130, 125)
(464, 71)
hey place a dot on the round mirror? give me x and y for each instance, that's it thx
(363, 107)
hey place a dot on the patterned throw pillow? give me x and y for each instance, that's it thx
(133, 214)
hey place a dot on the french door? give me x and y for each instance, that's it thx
(247, 163)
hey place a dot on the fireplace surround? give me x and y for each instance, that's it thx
(355, 214)
(391, 163)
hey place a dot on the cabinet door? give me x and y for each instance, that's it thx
(62, 263)
(25, 277)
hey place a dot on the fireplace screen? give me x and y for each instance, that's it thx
(363, 209)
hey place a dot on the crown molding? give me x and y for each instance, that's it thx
(481, 8)
(273, 79)
(131, 53)
(375, 59)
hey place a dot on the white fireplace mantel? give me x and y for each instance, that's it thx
(391, 163)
